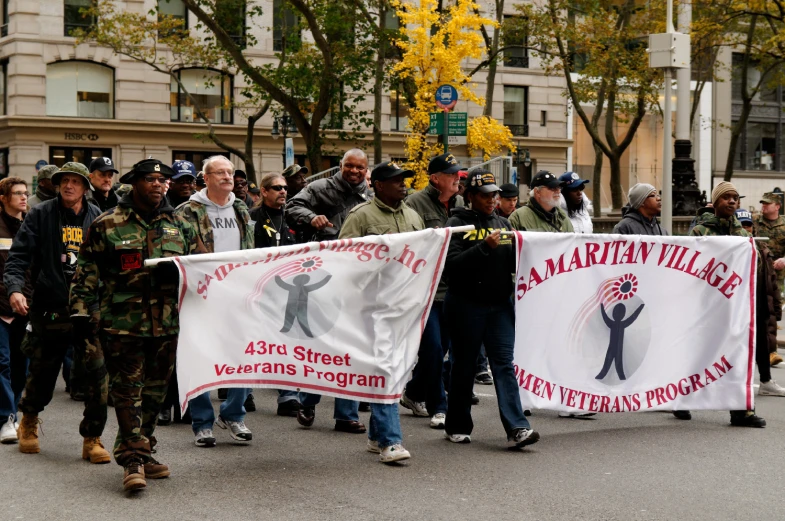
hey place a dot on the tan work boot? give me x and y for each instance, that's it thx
(154, 469)
(774, 359)
(28, 434)
(133, 478)
(93, 450)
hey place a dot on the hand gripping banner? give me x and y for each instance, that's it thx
(612, 323)
(340, 318)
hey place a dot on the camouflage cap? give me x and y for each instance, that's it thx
(772, 198)
(47, 171)
(293, 170)
(72, 167)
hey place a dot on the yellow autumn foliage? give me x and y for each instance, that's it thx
(488, 136)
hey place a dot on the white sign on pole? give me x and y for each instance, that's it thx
(289, 152)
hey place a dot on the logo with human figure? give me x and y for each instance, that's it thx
(286, 296)
(611, 331)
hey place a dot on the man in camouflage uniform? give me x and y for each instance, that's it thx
(47, 243)
(772, 225)
(138, 308)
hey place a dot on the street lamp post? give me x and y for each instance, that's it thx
(283, 126)
(524, 161)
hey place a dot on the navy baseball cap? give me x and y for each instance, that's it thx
(445, 164)
(388, 170)
(103, 164)
(572, 181)
(182, 168)
(744, 216)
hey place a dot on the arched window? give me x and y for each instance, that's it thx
(79, 89)
(212, 91)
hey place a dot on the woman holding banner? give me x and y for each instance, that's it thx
(479, 268)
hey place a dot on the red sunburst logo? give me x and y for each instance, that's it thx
(624, 287)
(310, 264)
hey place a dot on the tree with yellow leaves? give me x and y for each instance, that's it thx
(435, 46)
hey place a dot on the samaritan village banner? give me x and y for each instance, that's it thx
(613, 323)
(340, 318)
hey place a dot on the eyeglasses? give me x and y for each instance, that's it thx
(184, 181)
(241, 183)
(150, 179)
(26, 194)
(279, 188)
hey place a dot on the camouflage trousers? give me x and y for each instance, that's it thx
(139, 371)
(46, 346)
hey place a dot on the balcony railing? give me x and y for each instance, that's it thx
(519, 130)
(521, 62)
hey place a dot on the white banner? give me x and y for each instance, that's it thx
(614, 323)
(340, 318)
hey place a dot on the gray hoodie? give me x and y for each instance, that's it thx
(226, 229)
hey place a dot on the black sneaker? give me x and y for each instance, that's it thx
(289, 408)
(165, 416)
(364, 407)
(475, 398)
(522, 437)
(748, 420)
(306, 416)
(682, 415)
(250, 405)
(483, 378)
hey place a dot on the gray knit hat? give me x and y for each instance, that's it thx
(639, 193)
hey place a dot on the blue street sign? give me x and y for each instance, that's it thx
(446, 97)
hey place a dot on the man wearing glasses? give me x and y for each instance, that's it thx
(221, 219)
(542, 213)
(137, 308)
(183, 183)
(241, 188)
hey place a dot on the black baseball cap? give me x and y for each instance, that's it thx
(147, 166)
(509, 190)
(240, 173)
(572, 181)
(103, 164)
(481, 181)
(253, 189)
(545, 178)
(445, 164)
(388, 170)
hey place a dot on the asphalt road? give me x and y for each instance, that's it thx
(646, 466)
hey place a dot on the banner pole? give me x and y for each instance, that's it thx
(232, 255)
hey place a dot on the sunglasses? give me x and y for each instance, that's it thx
(278, 188)
(241, 183)
(150, 179)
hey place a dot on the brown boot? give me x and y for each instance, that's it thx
(154, 469)
(93, 450)
(28, 434)
(774, 359)
(133, 478)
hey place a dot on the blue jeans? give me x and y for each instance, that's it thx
(203, 416)
(344, 410)
(385, 424)
(287, 396)
(13, 367)
(472, 325)
(426, 384)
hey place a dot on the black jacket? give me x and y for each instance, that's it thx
(475, 270)
(268, 221)
(105, 203)
(633, 223)
(39, 244)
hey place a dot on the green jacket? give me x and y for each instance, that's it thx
(532, 218)
(196, 213)
(376, 218)
(711, 225)
(135, 300)
(775, 231)
(426, 203)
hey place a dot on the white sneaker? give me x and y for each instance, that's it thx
(458, 438)
(373, 446)
(417, 408)
(771, 388)
(394, 453)
(8, 431)
(237, 430)
(437, 420)
(576, 414)
(522, 437)
(205, 438)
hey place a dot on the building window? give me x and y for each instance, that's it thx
(174, 9)
(4, 86)
(197, 158)
(211, 90)
(516, 57)
(767, 92)
(75, 19)
(230, 14)
(516, 110)
(62, 155)
(3, 163)
(285, 27)
(757, 147)
(4, 27)
(79, 89)
(399, 111)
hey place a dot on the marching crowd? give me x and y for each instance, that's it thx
(77, 299)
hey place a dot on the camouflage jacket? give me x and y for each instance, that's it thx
(711, 225)
(196, 213)
(775, 231)
(136, 300)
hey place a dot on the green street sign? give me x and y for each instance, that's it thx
(456, 123)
